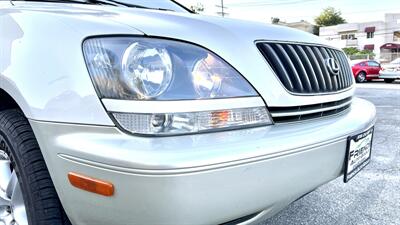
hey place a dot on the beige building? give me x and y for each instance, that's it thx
(301, 25)
(381, 37)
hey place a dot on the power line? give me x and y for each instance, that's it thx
(222, 12)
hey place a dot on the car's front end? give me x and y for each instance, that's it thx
(391, 71)
(389, 74)
(190, 119)
(208, 178)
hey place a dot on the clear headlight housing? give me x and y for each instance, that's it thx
(150, 70)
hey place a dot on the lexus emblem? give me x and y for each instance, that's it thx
(333, 66)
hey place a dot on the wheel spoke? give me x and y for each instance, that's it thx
(12, 205)
(4, 200)
(5, 174)
(11, 184)
(7, 220)
(18, 205)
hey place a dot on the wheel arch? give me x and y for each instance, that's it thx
(12, 98)
(358, 72)
(7, 102)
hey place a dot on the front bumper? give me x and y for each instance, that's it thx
(389, 75)
(196, 179)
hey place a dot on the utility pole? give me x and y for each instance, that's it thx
(222, 12)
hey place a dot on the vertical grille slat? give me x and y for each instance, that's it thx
(317, 68)
(339, 76)
(305, 68)
(325, 72)
(310, 71)
(333, 78)
(300, 68)
(277, 65)
(295, 76)
(342, 62)
(342, 74)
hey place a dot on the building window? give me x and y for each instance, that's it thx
(396, 36)
(370, 34)
(348, 37)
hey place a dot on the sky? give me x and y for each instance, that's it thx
(296, 10)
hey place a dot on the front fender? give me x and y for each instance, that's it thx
(42, 66)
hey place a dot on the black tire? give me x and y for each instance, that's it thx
(389, 80)
(361, 77)
(42, 204)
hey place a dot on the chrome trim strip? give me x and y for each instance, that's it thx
(297, 43)
(181, 106)
(305, 112)
(313, 119)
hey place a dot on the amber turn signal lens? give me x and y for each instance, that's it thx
(91, 185)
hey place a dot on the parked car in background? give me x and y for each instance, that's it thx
(366, 70)
(141, 112)
(391, 71)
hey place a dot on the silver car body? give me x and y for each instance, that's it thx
(389, 74)
(391, 70)
(207, 178)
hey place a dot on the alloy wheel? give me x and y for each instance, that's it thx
(12, 206)
(362, 77)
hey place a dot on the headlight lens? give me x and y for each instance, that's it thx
(156, 69)
(146, 70)
(149, 69)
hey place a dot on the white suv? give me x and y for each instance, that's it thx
(130, 112)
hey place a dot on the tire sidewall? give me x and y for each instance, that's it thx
(363, 79)
(11, 148)
(42, 204)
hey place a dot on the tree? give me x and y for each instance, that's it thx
(275, 20)
(197, 8)
(329, 17)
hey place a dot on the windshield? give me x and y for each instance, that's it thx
(169, 5)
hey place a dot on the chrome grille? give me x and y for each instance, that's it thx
(305, 112)
(302, 68)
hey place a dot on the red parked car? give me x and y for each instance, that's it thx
(366, 70)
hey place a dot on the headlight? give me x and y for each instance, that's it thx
(146, 70)
(140, 70)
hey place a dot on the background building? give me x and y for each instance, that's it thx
(301, 25)
(381, 37)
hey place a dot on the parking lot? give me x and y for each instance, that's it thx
(373, 196)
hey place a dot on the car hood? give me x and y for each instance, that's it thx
(231, 39)
(194, 27)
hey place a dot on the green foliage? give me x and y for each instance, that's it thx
(197, 8)
(354, 51)
(329, 17)
(366, 52)
(351, 51)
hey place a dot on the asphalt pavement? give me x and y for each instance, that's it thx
(371, 197)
